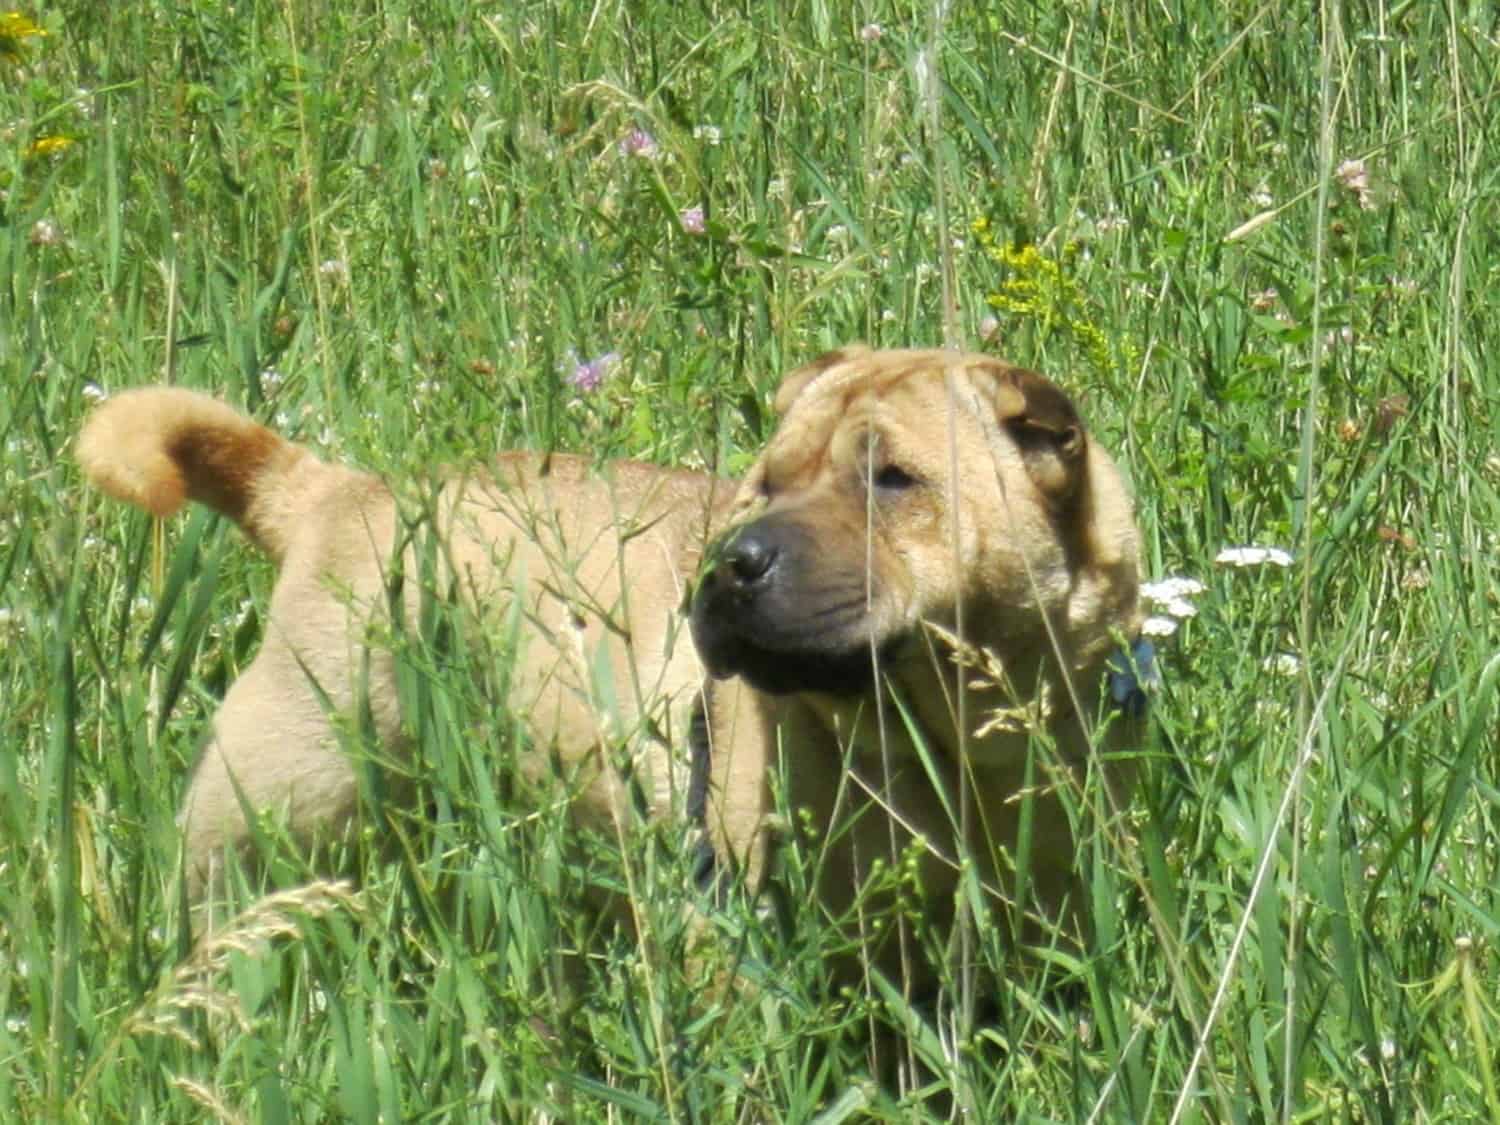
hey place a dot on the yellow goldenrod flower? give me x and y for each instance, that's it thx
(1039, 288)
(48, 146)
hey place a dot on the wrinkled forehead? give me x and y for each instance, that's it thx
(855, 397)
(887, 375)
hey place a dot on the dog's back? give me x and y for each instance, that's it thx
(544, 539)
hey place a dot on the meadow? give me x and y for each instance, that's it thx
(1256, 241)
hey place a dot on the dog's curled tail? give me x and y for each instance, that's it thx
(158, 447)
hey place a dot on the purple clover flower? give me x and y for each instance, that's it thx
(692, 220)
(638, 142)
(587, 375)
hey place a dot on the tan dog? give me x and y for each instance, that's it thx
(907, 498)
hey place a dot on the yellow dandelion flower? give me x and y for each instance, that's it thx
(49, 146)
(15, 29)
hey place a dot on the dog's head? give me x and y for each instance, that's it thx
(899, 485)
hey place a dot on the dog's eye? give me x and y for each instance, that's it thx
(893, 478)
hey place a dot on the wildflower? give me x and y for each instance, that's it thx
(1389, 411)
(638, 142)
(1179, 608)
(1039, 287)
(1265, 300)
(1353, 176)
(94, 393)
(15, 29)
(1283, 664)
(48, 146)
(1156, 626)
(871, 32)
(989, 329)
(587, 376)
(691, 220)
(45, 232)
(708, 134)
(1416, 578)
(334, 269)
(1171, 589)
(1171, 596)
(1253, 556)
(1404, 539)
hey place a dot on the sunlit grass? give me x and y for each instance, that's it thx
(400, 232)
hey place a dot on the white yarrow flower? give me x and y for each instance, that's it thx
(1170, 597)
(1283, 664)
(1253, 556)
(45, 232)
(1158, 627)
(1171, 589)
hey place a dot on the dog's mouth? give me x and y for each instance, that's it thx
(766, 608)
(784, 671)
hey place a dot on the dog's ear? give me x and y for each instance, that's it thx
(1044, 423)
(795, 382)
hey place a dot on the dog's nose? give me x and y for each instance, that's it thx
(750, 557)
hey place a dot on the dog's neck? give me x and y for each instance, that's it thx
(894, 737)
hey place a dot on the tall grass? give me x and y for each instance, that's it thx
(395, 229)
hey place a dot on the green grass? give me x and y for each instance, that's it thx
(388, 227)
